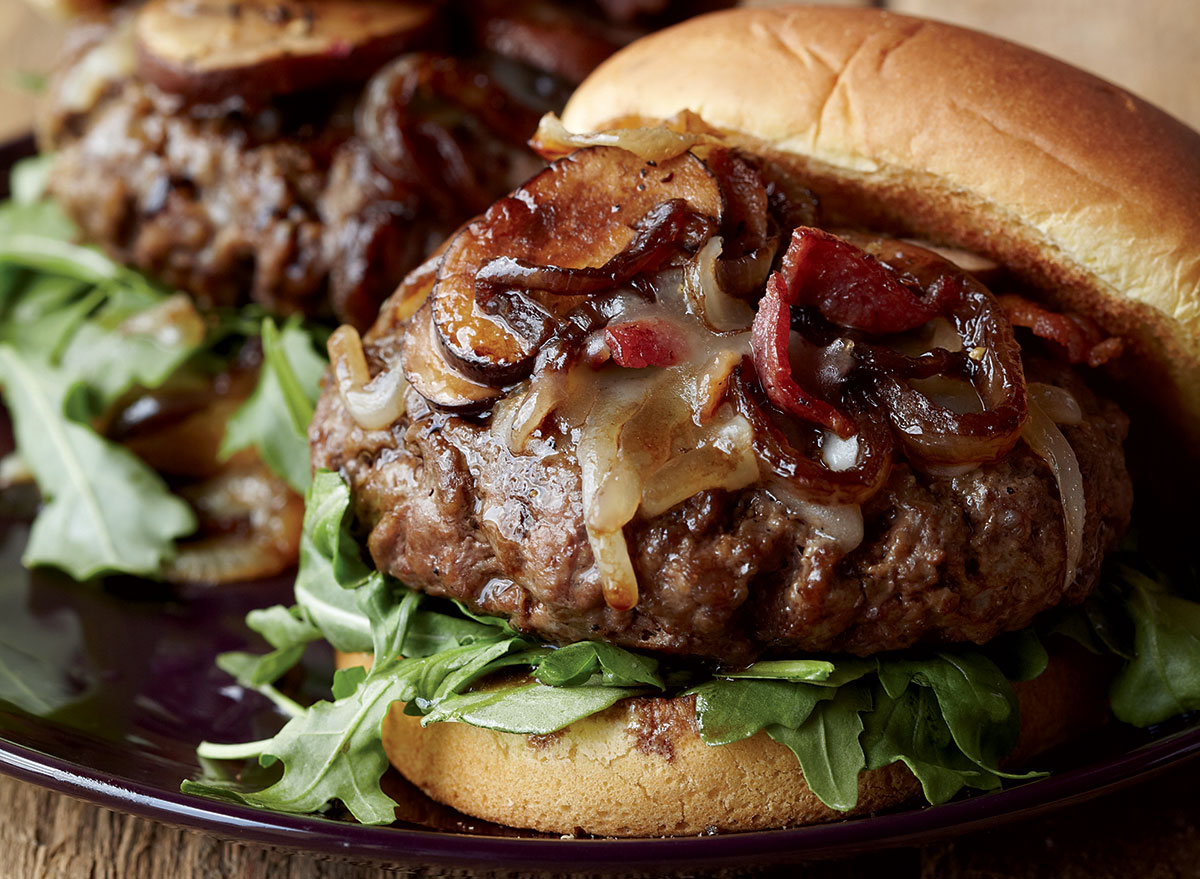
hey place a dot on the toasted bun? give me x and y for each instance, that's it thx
(641, 769)
(1085, 191)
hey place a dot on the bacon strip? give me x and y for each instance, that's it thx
(1079, 337)
(636, 344)
(849, 288)
(769, 337)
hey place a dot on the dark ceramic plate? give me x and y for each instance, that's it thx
(122, 687)
(106, 691)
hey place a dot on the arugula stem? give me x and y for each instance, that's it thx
(290, 707)
(236, 751)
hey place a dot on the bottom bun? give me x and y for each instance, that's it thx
(641, 769)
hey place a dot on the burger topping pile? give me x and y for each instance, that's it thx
(767, 348)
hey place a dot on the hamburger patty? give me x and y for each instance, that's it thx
(729, 576)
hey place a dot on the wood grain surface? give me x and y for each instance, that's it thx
(1150, 831)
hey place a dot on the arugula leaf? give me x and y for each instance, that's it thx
(331, 566)
(288, 632)
(827, 746)
(126, 345)
(104, 509)
(1021, 656)
(346, 681)
(41, 314)
(275, 418)
(976, 700)
(910, 728)
(390, 608)
(38, 652)
(576, 664)
(811, 670)
(727, 711)
(247, 669)
(431, 632)
(333, 751)
(1163, 678)
(530, 709)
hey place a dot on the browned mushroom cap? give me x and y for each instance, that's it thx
(580, 212)
(433, 378)
(210, 50)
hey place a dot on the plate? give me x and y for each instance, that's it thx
(126, 688)
(105, 691)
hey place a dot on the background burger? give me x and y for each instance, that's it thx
(719, 502)
(238, 162)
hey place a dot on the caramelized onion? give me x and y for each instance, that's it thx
(705, 291)
(552, 140)
(611, 490)
(373, 403)
(724, 459)
(940, 436)
(1043, 436)
(259, 521)
(805, 477)
(1058, 403)
(172, 323)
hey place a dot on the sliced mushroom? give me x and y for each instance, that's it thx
(432, 377)
(212, 50)
(578, 213)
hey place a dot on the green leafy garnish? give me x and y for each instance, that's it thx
(77, 333)
(39, 652)
(104, 509)
(81, 335)
(1163, 678)
(275, 418)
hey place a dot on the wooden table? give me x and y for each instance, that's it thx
(1150, 831)
(1147, 832)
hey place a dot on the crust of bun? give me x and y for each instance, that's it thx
(927, 129)
(640, 768)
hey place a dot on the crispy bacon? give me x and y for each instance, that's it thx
(769, 337)
(849, 287)
(1080, 338)
(636, 344)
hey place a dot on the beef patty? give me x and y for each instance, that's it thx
(729, 576)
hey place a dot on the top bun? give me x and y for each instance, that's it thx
(921, 128)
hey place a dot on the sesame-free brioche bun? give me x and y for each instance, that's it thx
(927, 129)
(641, 769)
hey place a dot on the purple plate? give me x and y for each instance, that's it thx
(105, 691)
(133, 690)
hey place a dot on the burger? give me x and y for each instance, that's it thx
(210, 166)
(305, 155)
(767, 457)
